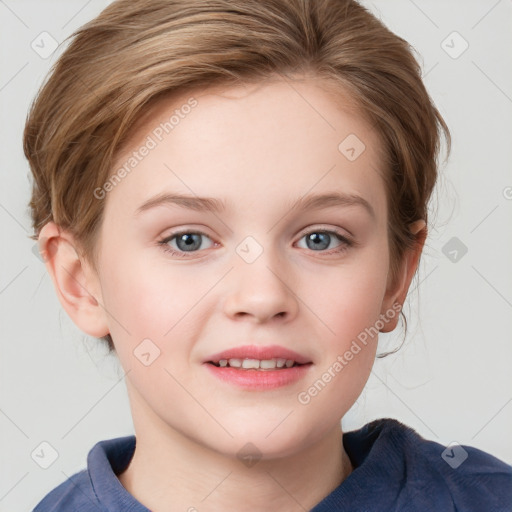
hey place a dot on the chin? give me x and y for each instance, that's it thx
(268, 439)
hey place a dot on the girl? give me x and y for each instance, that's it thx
(233, 195)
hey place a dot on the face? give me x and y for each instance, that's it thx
(260, 264)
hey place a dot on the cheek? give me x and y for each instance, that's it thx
(158, 302)
(348, 298)
(346, 354)
(141, 302)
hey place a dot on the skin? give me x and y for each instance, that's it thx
(258, 148)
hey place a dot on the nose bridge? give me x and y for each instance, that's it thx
(259, 282)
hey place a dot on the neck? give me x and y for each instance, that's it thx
(169, 469)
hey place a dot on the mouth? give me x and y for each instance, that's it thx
(256, 357)
(257, 364)
(259, 368)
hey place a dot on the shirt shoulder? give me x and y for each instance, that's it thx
(97, 488)
(75, 493)
(465, 477)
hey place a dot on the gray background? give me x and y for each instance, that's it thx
(451, 381)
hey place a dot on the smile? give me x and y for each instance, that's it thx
(258, 375)
(256, 364)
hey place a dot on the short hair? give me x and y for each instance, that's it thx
(139, 51)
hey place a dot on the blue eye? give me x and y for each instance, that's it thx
(321, 239)
(186, 241)
(192, 241)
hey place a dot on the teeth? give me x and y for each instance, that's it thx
(256, 364)
(250, 363)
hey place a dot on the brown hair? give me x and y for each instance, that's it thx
(138, 51)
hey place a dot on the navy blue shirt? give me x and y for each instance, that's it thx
(395, 469)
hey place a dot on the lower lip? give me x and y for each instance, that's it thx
(259, 379)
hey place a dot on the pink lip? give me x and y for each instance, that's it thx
(258, 352)
(255, 380)
(259, 380)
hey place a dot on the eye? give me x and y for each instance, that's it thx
(184, 242)
(320, 240)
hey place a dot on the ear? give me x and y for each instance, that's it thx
(397, 292)
(76, 284)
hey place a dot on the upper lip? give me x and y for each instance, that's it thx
(258, 352)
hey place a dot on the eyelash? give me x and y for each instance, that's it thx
(346, 242)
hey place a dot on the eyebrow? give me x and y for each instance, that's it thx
(210, 204)
(199, 204)
(315, 202)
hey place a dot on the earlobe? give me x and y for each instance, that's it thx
(77, 287)
(397, 292)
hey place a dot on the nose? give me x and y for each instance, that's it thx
(261, 291)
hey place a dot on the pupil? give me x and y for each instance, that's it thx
(190, 240)
(316, 238)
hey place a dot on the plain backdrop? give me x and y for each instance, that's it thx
(451, 381)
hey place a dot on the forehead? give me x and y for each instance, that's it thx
(264, 140)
